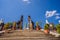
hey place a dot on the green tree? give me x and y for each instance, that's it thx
(14, 25)
(58, 28)
(6, 26)
(10, 23)
(51, 26)
(37, 26)
(37, 23)
(46, 27)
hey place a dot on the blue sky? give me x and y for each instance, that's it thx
(11, 10)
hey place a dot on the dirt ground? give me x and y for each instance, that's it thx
(27, 35)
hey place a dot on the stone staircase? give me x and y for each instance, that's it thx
(27, 35)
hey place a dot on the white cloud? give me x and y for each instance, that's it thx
(59, 21)
(57, 14)
(26, 1)
(50, 13)
(1, 20)
(47, 22)
(57, 17)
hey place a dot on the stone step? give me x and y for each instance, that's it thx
(27, 35)
(29, 38)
